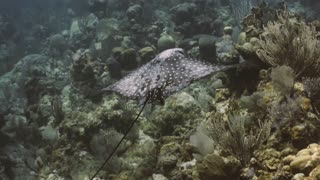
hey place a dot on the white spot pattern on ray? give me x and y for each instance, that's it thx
(167, 73)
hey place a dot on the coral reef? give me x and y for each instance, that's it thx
(259, 119)
(216, 167)
(305, 163)
(234, 138)
(178, 110)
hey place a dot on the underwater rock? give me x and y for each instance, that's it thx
(128, 60)
(16, 85)
(76, 125)
(158, 177)
(82, 72)
(54, 177)
(146, 54)
(75, 29)
(153, 33)
(12, 124)
(201, 141)
(204, 23)
(83, 31)
(165, 42)
(219, 168)
(31, 78)
(65, 33)
(226, 51)
(17, 160)
(315, 173)
(107, 35)
(270, 158)
(135, 12)
(167, 162)
(49, 109)
(299, 176)
(91, 21)
(117, 53)
(33, 64)
(114, 68)
(188, 169)
(188, 43)
(118, 115)
(207, 48)
(247, 49)
(203, 94)
(98, 7)
(49, 133)
(17, 127)
(127, 42)
(179, 109)
(228, 30)
(300, 136)
(167, 158)
(58, 43)
(242, 38)
(183, 12)
(306, 159)
(141, 157)
(222, 94)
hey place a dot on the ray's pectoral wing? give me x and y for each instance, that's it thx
(137, 84)
(131, 86)
(163, 76)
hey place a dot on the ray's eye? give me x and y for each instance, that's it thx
(158, 77)
(180, 51)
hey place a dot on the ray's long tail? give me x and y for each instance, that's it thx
(122, 139)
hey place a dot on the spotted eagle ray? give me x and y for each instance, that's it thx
(169, 72)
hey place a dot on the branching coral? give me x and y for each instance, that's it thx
(291, 42)
(312, 87)
(234, 137)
